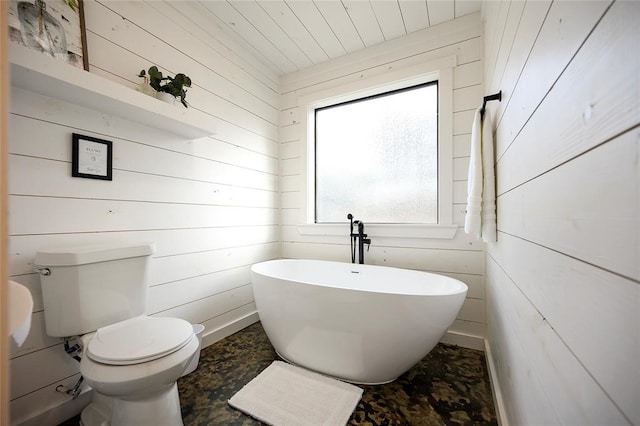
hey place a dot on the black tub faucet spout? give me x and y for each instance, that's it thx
(358, 239)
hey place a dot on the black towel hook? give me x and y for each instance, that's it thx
(494, 97)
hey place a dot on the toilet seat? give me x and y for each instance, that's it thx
(138, 340)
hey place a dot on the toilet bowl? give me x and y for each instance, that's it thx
(137, 362)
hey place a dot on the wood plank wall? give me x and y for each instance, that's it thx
(210, 205)
(563, 280)
(462, 257)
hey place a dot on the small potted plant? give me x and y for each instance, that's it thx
(168, 88)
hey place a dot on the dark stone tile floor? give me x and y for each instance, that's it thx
(450, 386)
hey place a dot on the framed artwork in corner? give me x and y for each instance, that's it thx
(53, 27)
(91, 158)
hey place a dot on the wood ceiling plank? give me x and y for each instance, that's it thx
(440, 11)
(465, 7)
(314, 22)
(287, 20)
(262, 20)
(340, 22)
(365, 21)
(389, 17)
(239, 25)
(414, 14)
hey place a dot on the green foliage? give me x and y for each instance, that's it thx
(176, 87)
(173, 85)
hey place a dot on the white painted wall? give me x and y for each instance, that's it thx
(210, 205)
(563, 280)
(461, 257)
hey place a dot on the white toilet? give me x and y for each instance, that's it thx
(131, 360)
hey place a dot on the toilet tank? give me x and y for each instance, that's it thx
(85, 288)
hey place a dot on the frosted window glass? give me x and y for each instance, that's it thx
(378, 158)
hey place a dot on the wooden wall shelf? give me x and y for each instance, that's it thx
(36, 72)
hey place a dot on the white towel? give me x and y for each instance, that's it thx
(481, 194)
(489, 232)
(472, 222)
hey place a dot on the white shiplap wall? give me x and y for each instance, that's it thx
(210, 205)
(563, 280)
(461, 257)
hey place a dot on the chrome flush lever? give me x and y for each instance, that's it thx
(43, 271)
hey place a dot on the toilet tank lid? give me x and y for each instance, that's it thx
(82, 255)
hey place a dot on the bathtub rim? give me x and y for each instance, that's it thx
(455, 286)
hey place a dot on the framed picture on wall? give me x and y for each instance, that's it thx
(53, 27)
(91, 158)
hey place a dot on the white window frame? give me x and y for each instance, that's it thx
(440, 70)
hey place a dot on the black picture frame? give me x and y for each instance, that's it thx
(91, 157)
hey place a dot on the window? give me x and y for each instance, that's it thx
(339, 174)
(378, 157)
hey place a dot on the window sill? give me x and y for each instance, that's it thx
(442, 232)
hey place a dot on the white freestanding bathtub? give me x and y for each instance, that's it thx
(361, 323)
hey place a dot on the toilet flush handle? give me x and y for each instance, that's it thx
(43, 271)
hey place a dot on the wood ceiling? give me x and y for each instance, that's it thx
(290, 35)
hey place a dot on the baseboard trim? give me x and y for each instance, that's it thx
(495, 386)
(228, 329)
(465, 340)
(59, 413)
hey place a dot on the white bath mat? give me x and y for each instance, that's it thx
(286, 395)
